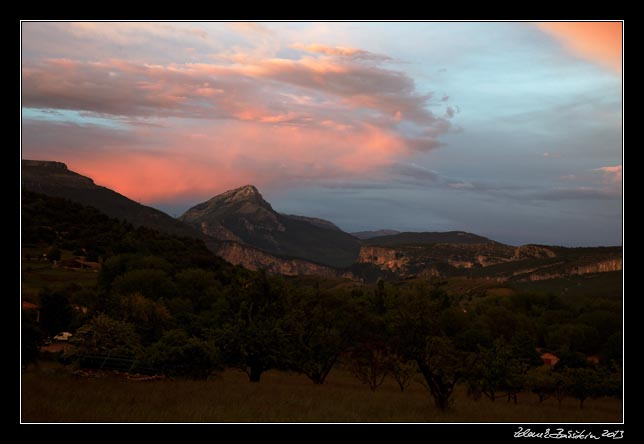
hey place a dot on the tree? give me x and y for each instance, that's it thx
(103, 335)
(416, 335)
(492, 371)
(149, 318)
(543, 382)
(502, 322)
(370, 352)
(569, 359)
(317, 326)
(582, 383)
(611, 352)
(87, 298)
(199, 286)
(151, 283)
(55, 312)
(371, 364)
(178, 355)
(254, 338)
(53, 254)
(442, 367)
(403, 372)
(379, 297)
(30, 339)
(523, 352)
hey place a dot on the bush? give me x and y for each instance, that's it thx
(178, 355)
(103, 335)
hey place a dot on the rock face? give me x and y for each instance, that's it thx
(440, 258)
(532, 252)
(242, 215)
(599, 267)
(574, 270)
(490, 260)
(254, 259)
(384, 258)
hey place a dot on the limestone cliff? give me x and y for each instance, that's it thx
(495, 261)
(255, 259)
(384, 258)
(599, 267)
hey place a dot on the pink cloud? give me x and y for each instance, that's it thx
(342, 51)
(201, 128)
(600, 42)
(351, 90)
(612, 174)
(205, 159)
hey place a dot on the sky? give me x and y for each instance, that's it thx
(510, 130)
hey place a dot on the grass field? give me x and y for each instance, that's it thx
(37, 275)
(52, 394)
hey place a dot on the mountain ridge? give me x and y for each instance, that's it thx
(242, 215)
(368, 234)
(428, 238)
(56, 179)
(243, 228)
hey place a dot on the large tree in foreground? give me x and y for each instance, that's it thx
(317, 328)
(419, 336)
(254, 338)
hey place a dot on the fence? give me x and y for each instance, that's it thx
(112, 362)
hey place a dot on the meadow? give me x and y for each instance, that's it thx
(52, 394)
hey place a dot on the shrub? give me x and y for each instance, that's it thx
(178, 355)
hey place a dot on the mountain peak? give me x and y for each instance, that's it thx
(245, 193)
(247, 190)
(242, 215)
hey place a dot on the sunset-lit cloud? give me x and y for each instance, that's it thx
(434, 119)
(599, 42)
(171, 163)
(337, 112)
(612, 174)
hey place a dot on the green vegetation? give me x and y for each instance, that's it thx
(165, 305)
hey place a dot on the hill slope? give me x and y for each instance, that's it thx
(242, 215)
(55, 179)
(375, 233)
(427, 238)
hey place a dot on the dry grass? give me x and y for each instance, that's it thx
(53, 395)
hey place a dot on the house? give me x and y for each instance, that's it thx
(549, 359)
(29, 306)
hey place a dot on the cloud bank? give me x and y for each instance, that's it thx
(324, 111)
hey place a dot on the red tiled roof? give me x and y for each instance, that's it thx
(549, 358)
(29, 306)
